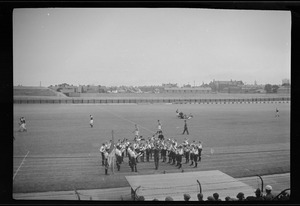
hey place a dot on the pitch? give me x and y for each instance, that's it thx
(63, 150)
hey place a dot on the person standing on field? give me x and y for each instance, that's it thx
(199, 150)
(102, 151)
(185, 128)
(159, 127)
(277, 113)
(91, 121)
(156, 156)
(136, 132)
(106, 160)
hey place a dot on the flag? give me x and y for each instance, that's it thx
(111, 154)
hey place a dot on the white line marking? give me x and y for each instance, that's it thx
(20, 165)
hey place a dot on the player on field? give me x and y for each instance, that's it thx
(91, 121)
(277, 113)
(22, 125)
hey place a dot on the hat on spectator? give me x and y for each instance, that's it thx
(169, 198)
(240, 195)
(186, 196)
(268, 187)
(210, 198)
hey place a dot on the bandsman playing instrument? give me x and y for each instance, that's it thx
(199, 150)
(180, 154)
(119, 156)
(102, 150)
(187, 153)
(192, 154)
(106, 161)
(195, 151)
(156, 151)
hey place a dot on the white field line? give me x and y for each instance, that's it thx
(129, 121)
(20, 165)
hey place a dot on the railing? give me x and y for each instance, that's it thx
(152, 101)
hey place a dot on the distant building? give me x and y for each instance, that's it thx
(252, 88)
(91, 89)
(222, 86)
(188, 90)
(169, 85)
(284, 90)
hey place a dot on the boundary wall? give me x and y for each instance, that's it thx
(153, 101)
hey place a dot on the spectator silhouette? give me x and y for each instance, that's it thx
(257, 197)
(200, 197)
(186, 197)
(169, 198)
(240, 196)
(216, 196)
(210, 198)
(269, 196)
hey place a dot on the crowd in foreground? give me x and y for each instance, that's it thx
(258, 196)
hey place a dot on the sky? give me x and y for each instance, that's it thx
(149, 46)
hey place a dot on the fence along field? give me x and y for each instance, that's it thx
(63, 149)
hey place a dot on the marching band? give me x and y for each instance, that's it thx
(142, 150)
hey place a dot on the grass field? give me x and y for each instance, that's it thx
(60, 150)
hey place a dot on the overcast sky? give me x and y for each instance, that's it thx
(149, 46)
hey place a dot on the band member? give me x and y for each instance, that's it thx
(199, 150)
(187, 153)
(142, 149)
(102, 151)
(156, 156)
(170, 153)
(148, 148)
(160, 136)
(164, 152)
(129, 157)
(195, 155)
(180, 154)
(106, 160)
(133, 156)
(127, 143)
(173, 154)
(192, 154)
(118, 157)
(151, 148)
(137, 150)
